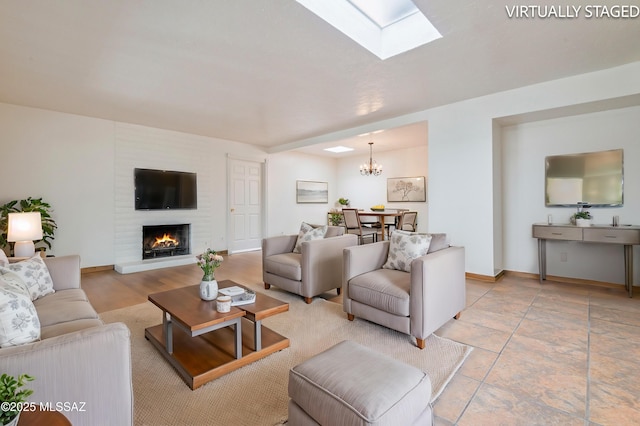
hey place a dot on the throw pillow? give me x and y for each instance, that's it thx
(3, 258)
(18, 317)
(404, 247)
(309, 233)
(439, 241)
(35, 275)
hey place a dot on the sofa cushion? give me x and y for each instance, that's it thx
(64, 306)
(68, 327)
(309, 233)
(404, 247)
(18, 317)
(384, 289)
(34, 273)
(287, 265)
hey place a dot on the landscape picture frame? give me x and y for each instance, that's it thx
(312, 192)
(407, 189)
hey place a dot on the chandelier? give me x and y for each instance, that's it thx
(372, 168)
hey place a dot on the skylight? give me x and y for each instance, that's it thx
(384, 12)
(338, 149)
(384, 27)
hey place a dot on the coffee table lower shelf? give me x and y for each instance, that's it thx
(201, 359)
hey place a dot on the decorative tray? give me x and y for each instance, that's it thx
(248, 296)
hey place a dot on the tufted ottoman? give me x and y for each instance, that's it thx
(349, 384)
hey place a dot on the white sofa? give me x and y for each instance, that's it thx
(79, 363)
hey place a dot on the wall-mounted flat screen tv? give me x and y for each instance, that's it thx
(591, 178)
(165, 190)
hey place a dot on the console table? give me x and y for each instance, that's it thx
(603, 234)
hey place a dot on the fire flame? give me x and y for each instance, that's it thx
(165, 241)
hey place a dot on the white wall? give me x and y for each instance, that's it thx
(145, 147)
(344, 179)
(524, 148)
(71, 162)
(461, 143)
(68, 160)
(84, 168)
(283, 170)
(366, 191)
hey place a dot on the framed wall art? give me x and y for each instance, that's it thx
(407, 189)
(312, 192)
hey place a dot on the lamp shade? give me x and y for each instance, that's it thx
(26, 226)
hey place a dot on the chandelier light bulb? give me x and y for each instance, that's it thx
(373, 168)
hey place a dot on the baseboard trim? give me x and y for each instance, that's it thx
(91, 269)
(485, 278)
(564, 280)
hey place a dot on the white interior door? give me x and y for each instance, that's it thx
(245, 205)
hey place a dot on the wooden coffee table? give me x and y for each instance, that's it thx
(203, 344)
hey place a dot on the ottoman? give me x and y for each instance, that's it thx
(349, 384)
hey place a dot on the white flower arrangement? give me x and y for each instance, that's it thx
(209, 261)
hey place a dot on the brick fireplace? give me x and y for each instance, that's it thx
(160, 241)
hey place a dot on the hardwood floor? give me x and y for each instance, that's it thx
(108, 290)
(549, 353)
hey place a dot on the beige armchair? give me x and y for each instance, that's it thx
(316, 270)
(415, 303)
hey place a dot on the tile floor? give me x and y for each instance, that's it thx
(550, 353)
(543, 354)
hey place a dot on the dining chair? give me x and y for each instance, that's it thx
(408, 221)
(395, 223)
(353, 225)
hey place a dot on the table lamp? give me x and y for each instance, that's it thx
(23, 229)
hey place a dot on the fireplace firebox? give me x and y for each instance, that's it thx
(165, 240)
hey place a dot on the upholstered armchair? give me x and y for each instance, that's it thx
(315, 270)
(416, 302)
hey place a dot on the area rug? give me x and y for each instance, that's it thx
(257, 394)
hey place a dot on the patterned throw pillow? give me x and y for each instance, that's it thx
(35, 275)
(404, 247)
(308, 233)
(439, 241)
(18, 317)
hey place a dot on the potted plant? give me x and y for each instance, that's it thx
(335, 217)
(12, 397)
(29, 205)
(582, 218)
(344, 202)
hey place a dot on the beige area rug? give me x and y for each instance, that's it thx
(257, 394)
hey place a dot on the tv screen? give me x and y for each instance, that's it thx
(165, 190)
(590, 178)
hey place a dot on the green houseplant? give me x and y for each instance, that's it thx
(335, 217)
(582, 215)
(582, 218)
(12, 396)
(343, 201)
(30, 204)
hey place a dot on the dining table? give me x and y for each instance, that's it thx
(381, 215)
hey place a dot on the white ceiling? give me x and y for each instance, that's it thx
(271, 73)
